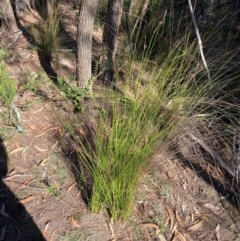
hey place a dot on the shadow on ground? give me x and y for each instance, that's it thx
(208, 170)
(15, 221)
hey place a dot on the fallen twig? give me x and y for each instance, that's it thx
(17, 175)
(199, 39)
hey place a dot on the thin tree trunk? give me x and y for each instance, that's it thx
(86, 16)
(9, 22)
(9, 18)
(110, 36)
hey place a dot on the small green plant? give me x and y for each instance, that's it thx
(75, 235)
(8, 86)
(6, 133)
(4, 53)
(52, 190)
(36, 79)
(138, 231)
(162, 228)
(62, 174)
(73, 93)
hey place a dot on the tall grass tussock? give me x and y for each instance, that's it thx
(46, 32)
(167, 97)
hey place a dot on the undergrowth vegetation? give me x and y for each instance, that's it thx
(167, 97)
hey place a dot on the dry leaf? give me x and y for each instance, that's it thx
(81, 131)
(217, 229)
(159, 188)
(174, 238)
(17, 144)
(205, 216)
(166, 221)
(54, 145)
(46, 130)
(183, 208)
(40, 109)
(40, 149)
(12, 172)
(170, 212)
(53, 235)
(17, 150)
(27, 199)
(196, 226)
(197, 212)
(24, 184)
(78, 194)
(187, 237)
(161, 237)
(44, 232)
(45, 160)
(149, 225)
(169, 176)
(74, 223)
(179, 220)
(70, 188)
(192, 217)
(180, 236)
(5, 214)
(212, 208)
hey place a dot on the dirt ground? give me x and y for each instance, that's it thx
(172, 203)
(40, 200)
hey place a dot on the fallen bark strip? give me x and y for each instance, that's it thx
(213, 154)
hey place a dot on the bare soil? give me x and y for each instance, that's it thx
(40, 199)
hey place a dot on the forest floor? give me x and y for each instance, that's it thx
(39, 195)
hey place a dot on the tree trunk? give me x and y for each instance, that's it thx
(110, 35)
(86, 16)
(8, 15)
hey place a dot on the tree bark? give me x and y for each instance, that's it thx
(110, 35)
(86, 16)
(9, 18)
